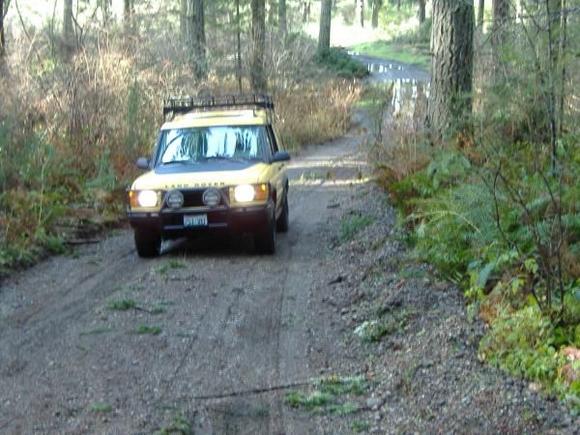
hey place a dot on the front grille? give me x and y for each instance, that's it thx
(194, 198)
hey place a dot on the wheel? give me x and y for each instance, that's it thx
(284, 219)
(148, 244)
(265, 242)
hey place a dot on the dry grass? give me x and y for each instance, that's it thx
(401, 144)
(315, 114)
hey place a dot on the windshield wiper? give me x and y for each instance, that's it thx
(205, 159)
(181, 162)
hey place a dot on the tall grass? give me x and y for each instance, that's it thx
(313, 114)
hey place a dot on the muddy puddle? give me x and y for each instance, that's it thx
(410, 84)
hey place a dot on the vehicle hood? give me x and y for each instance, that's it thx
(191, 177)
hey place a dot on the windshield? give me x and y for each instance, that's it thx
(196, 145)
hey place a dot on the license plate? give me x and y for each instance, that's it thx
(196, 220)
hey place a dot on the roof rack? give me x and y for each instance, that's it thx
(177, 105)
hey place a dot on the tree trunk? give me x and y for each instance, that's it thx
(360, 12)
(282, 23)
(106, 11)
(563, 43)
(67, 26)
(127, 14)
(500, 11)
(376, 8)
(422, 14)
(272, 15)
(325, 21)
(2, 34)
(198, 39)
(480, 10)
(554, 12)
(257, 74)
(451, 67)
(554, 15)
(306, 11)
(238, 47)
(183, 21)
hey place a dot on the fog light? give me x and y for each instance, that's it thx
(174, 199)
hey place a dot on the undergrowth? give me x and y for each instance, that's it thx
(338, 61)
(499, 252)
(500, 218)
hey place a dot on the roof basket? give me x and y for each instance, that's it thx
(175, 105)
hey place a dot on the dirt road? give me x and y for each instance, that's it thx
(213, 339)
(101, 341)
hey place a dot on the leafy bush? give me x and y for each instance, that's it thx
(417, 35)
(341, 63)
(455, 226)
(524, 343)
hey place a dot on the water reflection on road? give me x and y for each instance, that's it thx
(410, 84)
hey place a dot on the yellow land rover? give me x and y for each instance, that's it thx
(218, 167)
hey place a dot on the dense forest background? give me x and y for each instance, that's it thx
(485, 174)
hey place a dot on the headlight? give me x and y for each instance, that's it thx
(250, 193)
(147, 198)
(244, 193)
(143, 198)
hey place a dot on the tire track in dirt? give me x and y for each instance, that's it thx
(231, 322)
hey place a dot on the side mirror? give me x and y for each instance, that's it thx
(281, 156)
(143, 163)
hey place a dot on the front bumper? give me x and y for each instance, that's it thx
(235, 220)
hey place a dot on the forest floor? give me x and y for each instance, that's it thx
(339, 332)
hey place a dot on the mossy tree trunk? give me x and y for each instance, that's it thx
(325, 22)
(257, 73)
(480, 10)
(451, 68)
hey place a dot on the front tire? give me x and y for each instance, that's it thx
(265, 242)
(284, 220)
(148, 244)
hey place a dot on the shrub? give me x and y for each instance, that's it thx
(523, 343)
(338, 61)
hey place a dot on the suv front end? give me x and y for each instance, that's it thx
(214, 172)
